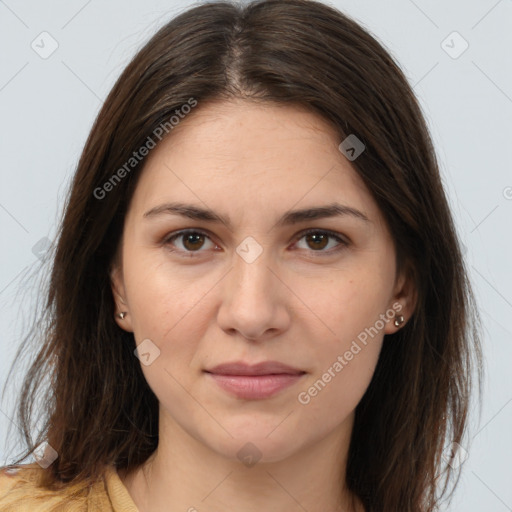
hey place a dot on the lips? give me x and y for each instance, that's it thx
(254, 382)
(263, 368)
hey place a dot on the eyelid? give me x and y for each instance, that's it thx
(341, 239)
(333, 234)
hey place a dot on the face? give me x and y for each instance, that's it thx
(265, 283)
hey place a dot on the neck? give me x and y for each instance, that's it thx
(185, 475)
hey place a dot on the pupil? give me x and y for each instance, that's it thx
(318, 239)
(192, 238)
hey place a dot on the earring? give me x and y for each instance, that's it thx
(122, 315)
(399, 321)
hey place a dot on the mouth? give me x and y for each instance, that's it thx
(254, 382)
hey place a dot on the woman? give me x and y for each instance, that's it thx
(258, 299)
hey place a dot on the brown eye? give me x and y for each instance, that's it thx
(317, 240)
(191, 241)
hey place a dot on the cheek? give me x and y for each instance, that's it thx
(330, 395)
(172, 314)
(338, 310)
(160, 301)
(352, 313)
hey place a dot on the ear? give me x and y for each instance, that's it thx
(119, 294)
(404, 300)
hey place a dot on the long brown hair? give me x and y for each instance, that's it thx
(296, 52)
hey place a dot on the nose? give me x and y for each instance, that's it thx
(254, 300)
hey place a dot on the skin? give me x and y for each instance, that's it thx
(296, 303)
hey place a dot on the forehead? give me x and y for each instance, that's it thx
(249, 131)
(251, 155)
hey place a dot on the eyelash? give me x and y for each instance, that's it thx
(191, 254)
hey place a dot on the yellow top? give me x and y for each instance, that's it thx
(19, 493)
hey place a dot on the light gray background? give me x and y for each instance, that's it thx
(47, 107)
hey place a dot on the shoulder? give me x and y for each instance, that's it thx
(12, 478)
(20, 492)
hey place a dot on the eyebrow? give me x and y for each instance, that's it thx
(289, 218)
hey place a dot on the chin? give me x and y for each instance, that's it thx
(255, 445)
